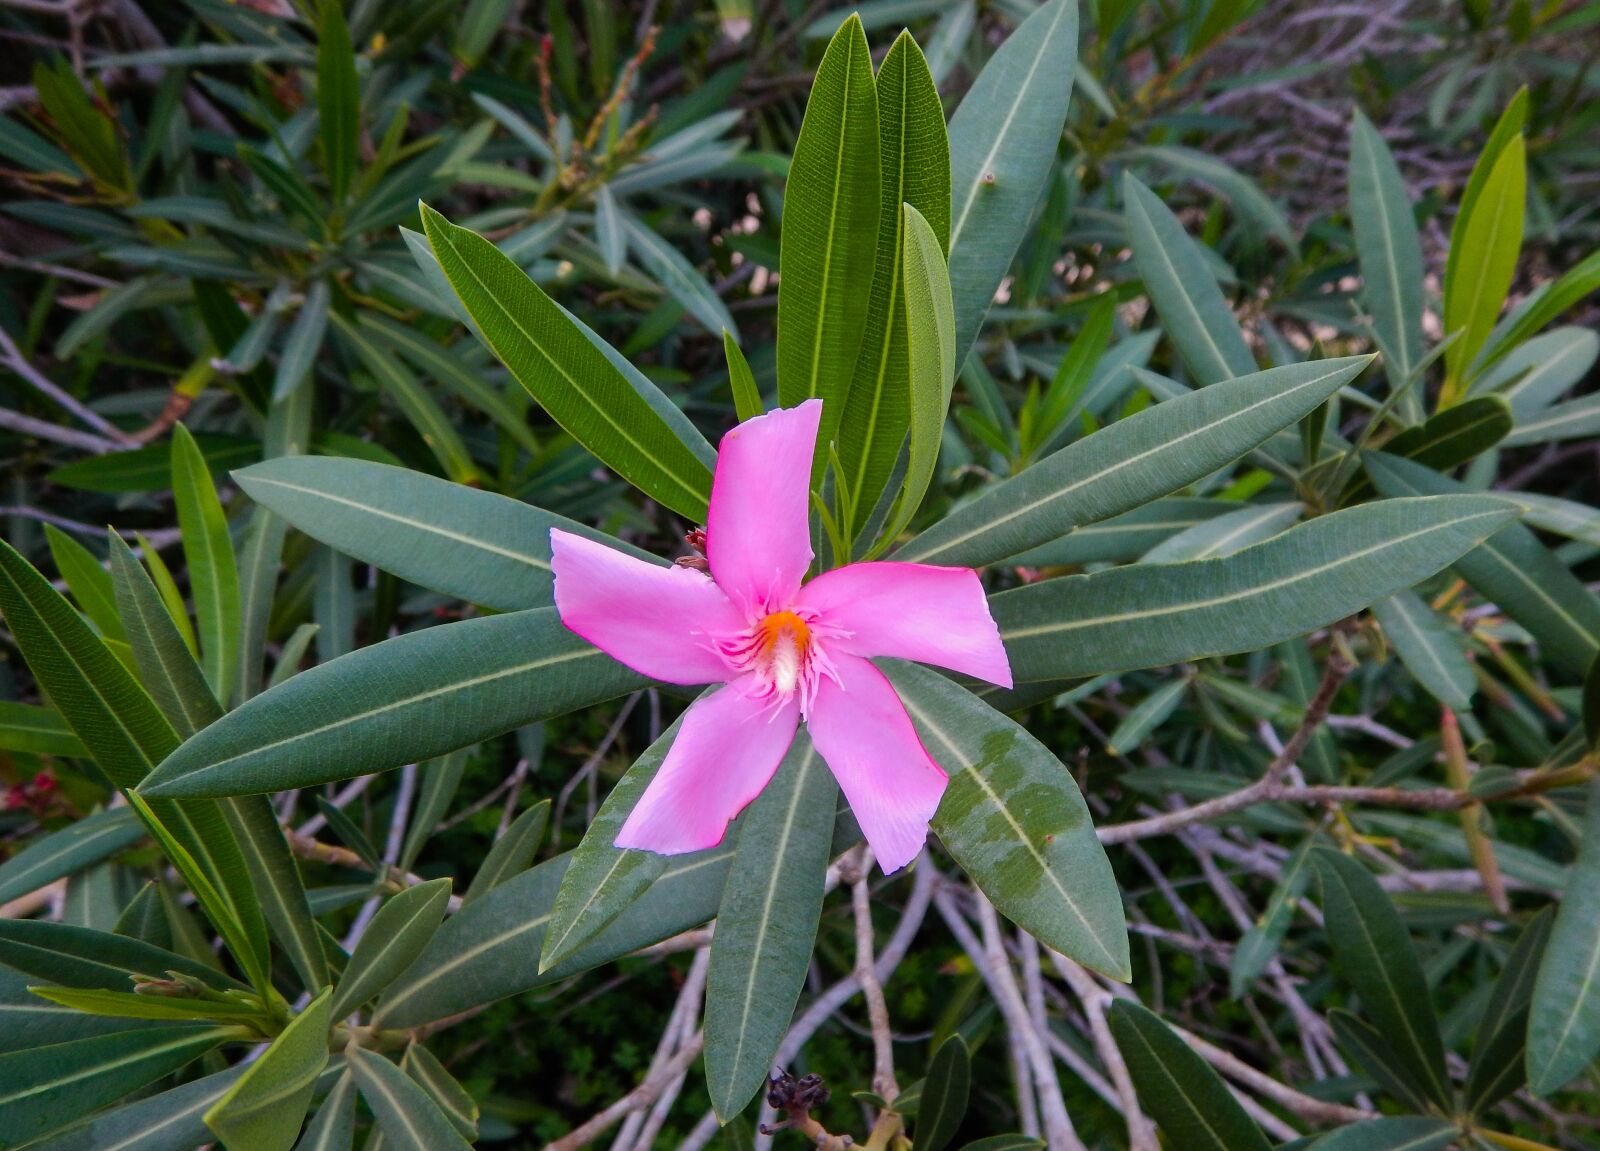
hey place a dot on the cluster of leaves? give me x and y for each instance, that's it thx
(1028, 366)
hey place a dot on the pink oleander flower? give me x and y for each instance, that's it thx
(784, 652)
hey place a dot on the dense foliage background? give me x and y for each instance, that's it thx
(209, 221)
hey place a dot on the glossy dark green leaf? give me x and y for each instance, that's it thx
(48, 1087)
(68, 851)
(86, 580)
(830, 232)
(333, 1127)
(168, 1121)
(1433, 648)
(1183, 289)
(766, 925)
(396, 936)
(1003, 140)
(303, 344)
(1454, 436)
(454, 539)
(945, 1091)
(1513, 570)
(619, 419)
(1374, 953)
(37, 730)
(1153, 615)
(1130, 463)
(601, 880)
(1389, 248)
(512, 853)
(914, 168)
(1013, 818)
(338, 98)
(413, 697)
(1177, 1088)
(1392, 1133)
(452, 1099)
(490, 949)
(408, 1118)
(1564, 1023)
(1259, 946)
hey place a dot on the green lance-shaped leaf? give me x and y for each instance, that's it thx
(830, 233)
(1388, 247)
(746, 393)
(1183, 289)
(413, 697)
(1392, 1133)
(1375, 956)
(930, 328)
(1564, 1024)
(1177, 1087)
(86, 580)
(131, 1005)
(1012, 817)
(460, 541)
(1541, 371)
(602, 879)
(1003, 140)
(617, 418)
(66, 852)
(1260, 944)
(673, 271)
(1484, 246)
(37, 730)
(452, 1099)
(168, 1121)
(766, 926)
(945, 1093)
(1460, 433)
(265, 1108)
(83, 957)
(490, 949)
(47, 1087)
(304, 342)
(1579, 281)
(1432, 647)
(1226, 534)
(1130, 462)
(396, 936)
(338, 99)
(914, 168)
(1127, 536)
(123, 729)
(441, 778)
(1499, 1065)
(512, 853)
(333, 1127)
(1513, 570)
(208, 550)
(1153, 615)
(408, 1118)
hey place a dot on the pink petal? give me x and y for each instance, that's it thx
(936, 615)
(727, 749)
(654, 619)
(862, 730)
(758, 534)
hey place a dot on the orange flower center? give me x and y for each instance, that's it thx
(784, 641)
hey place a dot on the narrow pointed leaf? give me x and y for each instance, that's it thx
(1129, 463)
(830, 232)
(413, 697)
(338, 98)
(66, 852)
(766, 926)
(1375, 955)
(447, 1094)
(397, 934)
(86, 580)
(512, 853)
(83, 957)
(264, 1109)
(1432, 647)
(1564, 1024)
(490, 949)
(1003, 140)
(1178, 1088)
(682, 280)
(304, 342)
(1153, 615)
(1183, 289)
(47, 1087)
(1014, 820)
(1485, 244)
(213, 571)
(1513, 570)
(168, 1121)
(945, 1094)
(618, 419)
(333, 1127)
(408, 1118)
(1392, 1133)
(1388, 246)
(914, 168)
